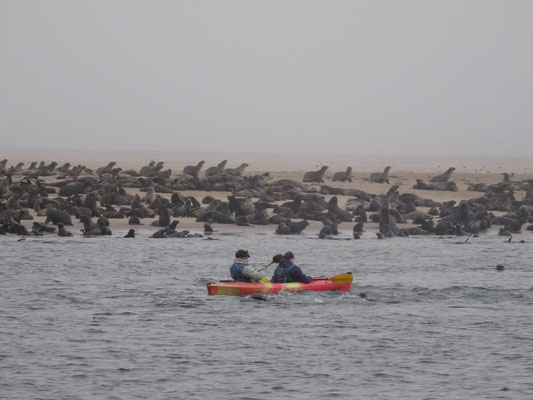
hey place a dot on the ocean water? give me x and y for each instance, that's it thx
(113, 318)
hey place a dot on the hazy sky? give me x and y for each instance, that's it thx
(353, 77)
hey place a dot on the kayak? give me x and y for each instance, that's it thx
(340, 283)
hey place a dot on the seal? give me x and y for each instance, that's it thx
(315, 176)
(443, 178)
(325, 231)
(149, 197)
(13, 203)
(358, 228)
(17, 215)
(89, 227)
(130, 234)
(107, 169)
(193, 170)
(18, 167)
(208, 229)
(151, 168)
(297, 227)
(217, 217)
(343, 176)
(72, 188)
(103, 224)
(19, 229)
(283, 229)
(55, 216)
(218, 169)
(336, 212)
(36, 229)
(134, 220)
(261, 218)
(167, 231)
(235, 206)
(61, 231)
(236, 171)
(381, 177)
(64, 168)
(164, 217)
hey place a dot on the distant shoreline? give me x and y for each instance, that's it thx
(277, 161)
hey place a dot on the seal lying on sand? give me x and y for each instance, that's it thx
(381, 177)
(443, 177)
(315, 176)
(343, 176)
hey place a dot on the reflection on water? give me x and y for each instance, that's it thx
(125, 319)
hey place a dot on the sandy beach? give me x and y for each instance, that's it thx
(404, 172)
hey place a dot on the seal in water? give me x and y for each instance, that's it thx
(208, 229)
(315, 176)
(381, 177)
(130, 234)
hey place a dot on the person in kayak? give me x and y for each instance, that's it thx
(287, 271)
(242, 272)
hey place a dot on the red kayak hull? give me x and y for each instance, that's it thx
(232, 288)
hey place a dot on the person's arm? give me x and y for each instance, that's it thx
(252, 274)
(298, 276)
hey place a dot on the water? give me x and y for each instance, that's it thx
(110, 318)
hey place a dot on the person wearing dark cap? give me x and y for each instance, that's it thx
(287, 271)
(242, 272)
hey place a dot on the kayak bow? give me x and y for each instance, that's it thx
(339, 283)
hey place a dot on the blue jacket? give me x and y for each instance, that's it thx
(289, 272)
(236, 273)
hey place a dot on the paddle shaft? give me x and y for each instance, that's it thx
(340, 278)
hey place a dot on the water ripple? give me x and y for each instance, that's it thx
(104, 318)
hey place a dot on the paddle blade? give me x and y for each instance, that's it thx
(341, 278)
(264, 280)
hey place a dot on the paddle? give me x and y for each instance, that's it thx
(277, 258)
(340, 278)
(266, 280)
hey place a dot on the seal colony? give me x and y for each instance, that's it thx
(48, 199)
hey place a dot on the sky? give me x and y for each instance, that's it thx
(428, 77)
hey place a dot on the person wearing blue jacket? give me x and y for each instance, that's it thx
(287, 271)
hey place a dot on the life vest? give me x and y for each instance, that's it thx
(237, 274)
(282, 273)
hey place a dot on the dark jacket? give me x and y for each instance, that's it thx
(289, 272)
(242, 272)
(237, 274)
